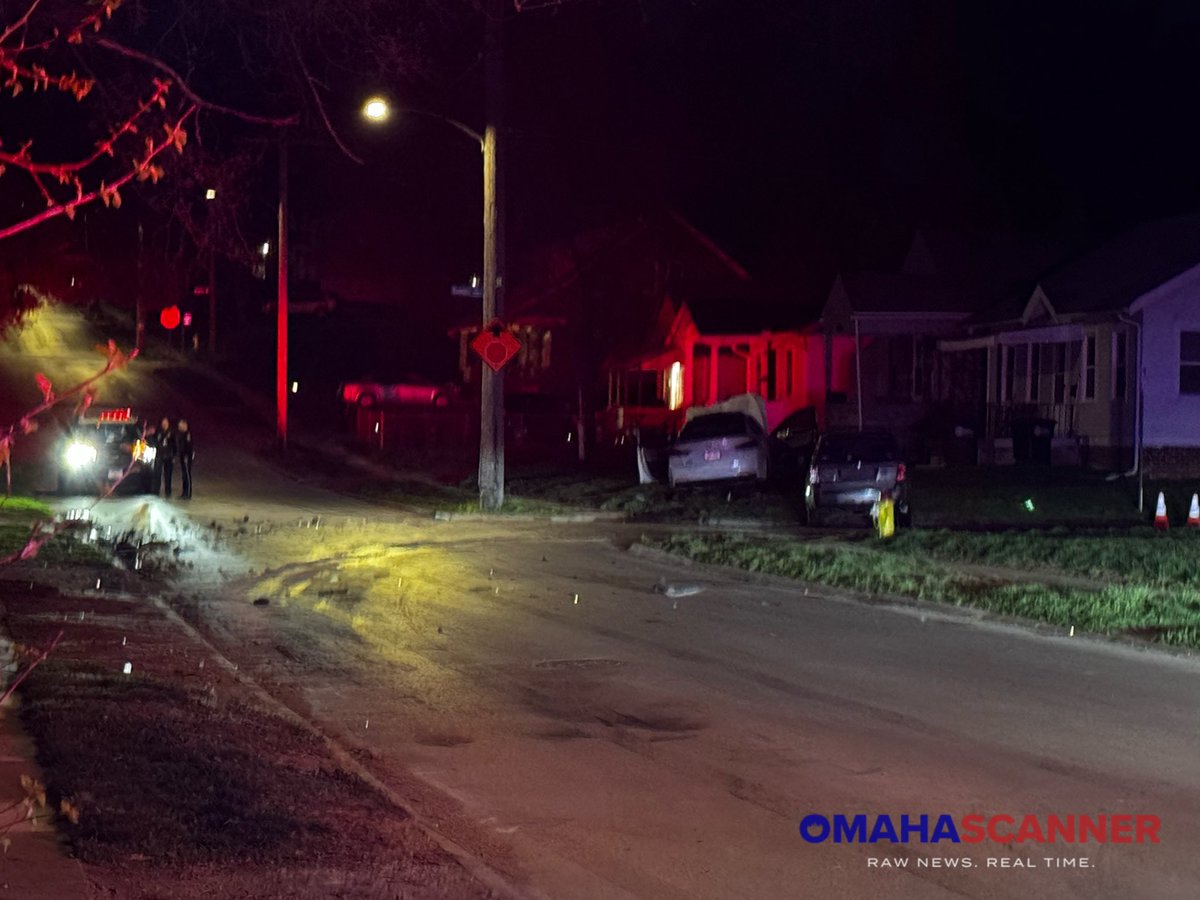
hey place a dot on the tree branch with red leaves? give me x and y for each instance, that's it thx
(118, 157)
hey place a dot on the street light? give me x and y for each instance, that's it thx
(376, 109)
(491, 387)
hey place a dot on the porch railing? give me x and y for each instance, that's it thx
(1001, 416)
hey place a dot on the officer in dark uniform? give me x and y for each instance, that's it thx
(163, 442)
(186, 453)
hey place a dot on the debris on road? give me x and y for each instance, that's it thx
(677, 590)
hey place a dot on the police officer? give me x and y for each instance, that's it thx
(163, 442)
(186, 453)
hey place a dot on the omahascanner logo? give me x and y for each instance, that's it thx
(1123, 828)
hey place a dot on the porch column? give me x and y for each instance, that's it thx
(713, 368)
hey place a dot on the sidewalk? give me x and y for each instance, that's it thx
(36, 864)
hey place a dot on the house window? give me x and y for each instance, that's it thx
(1189, 362)
(1120, 353)
(1008, 381)
(1035, 372)
(922, 356)
(899, 377)
(772, 373)
(1088, 367)
(1059, 357)
(788, 372)
(675, 386)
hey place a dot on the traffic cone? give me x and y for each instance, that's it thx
(1160, 513)
(1194, 513)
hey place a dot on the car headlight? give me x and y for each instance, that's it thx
(79, 455)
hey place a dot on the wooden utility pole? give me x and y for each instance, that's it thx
(281, 303)
(212, 300)
(491, 409)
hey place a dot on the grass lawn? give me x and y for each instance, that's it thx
(17, 517)
(911, 568)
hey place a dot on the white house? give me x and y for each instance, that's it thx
(1107, 347)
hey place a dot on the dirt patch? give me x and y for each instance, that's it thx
(185, 787)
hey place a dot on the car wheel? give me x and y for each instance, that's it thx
(367, 401)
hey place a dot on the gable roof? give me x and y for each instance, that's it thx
(1113, 275)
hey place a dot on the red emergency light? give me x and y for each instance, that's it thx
(169, 317)
(116, 415)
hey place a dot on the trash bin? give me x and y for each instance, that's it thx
(964, 447)
(1032, 440)
(1042, 441)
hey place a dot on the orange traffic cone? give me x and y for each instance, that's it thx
(1194, 513)
(1160, 513)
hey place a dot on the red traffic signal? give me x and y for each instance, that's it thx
(495, 345)
(169, 317)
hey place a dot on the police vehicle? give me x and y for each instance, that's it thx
(104, 448)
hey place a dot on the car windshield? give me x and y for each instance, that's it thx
(715, 425)
(855, 447)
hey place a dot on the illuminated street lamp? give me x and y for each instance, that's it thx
(376, 109)
(491, 394)
(210, 194)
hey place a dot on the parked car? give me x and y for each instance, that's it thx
(792, 444)
(100, 448)
(412, 390)
(719, 446)
(851, 471)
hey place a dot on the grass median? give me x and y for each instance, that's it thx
(1167, 615)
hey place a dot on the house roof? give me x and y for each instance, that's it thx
(886, 292)
(1113, 275)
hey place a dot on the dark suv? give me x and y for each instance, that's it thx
(851, 471)
(98, 451)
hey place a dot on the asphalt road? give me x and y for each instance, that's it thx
(588, 736)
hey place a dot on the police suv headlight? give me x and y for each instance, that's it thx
(79, 455)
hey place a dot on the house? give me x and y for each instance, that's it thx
(637, 320)
(893, 376)
(710, 345)
(880, 333)
(1105, 347)
(715, 334)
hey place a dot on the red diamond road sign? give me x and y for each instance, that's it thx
(495, 345)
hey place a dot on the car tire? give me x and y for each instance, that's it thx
(368, 401)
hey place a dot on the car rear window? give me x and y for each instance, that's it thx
(855, 447)
(714, 425)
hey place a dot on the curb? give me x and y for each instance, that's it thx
(966, 615)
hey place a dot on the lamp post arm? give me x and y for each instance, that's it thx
(453, 123)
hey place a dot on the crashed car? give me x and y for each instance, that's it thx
(851, 472)
(105, 448)
(720, 443)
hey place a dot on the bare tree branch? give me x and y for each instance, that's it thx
(199, 101)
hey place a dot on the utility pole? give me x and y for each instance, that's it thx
(281, 302)
(212, 300)
(491, 412)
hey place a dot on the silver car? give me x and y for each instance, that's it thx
(719, 447)
(851, 472)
